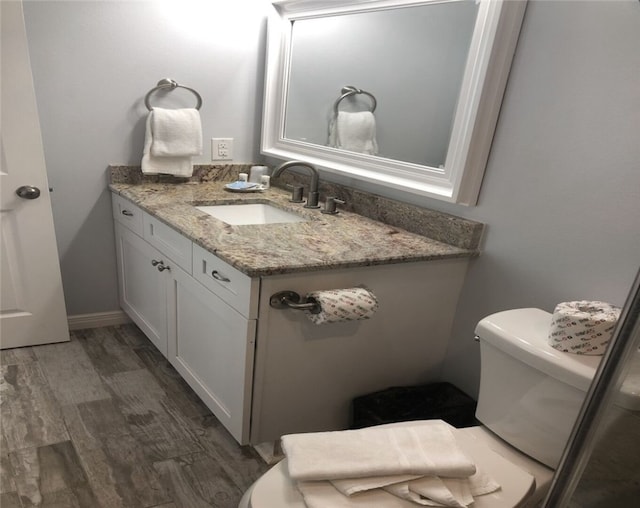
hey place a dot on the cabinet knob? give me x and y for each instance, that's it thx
(162, 267)
(155, 262)
(218, 276)
(127, 213)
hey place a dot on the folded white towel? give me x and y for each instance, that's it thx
(426, 448)
(481, 483)
(401, 490)
(176, 132)
(350, 486)
(324, 495)
(442, 491)
(355, 132)
(166, 148)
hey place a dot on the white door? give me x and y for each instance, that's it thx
(32, 308)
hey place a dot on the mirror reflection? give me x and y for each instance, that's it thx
(405, 68)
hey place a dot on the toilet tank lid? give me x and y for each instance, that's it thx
(523, 334)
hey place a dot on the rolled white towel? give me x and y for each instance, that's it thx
(426, 448)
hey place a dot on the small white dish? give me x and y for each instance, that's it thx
(240, 186)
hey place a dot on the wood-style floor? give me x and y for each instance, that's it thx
(105, 421)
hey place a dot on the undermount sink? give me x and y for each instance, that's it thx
(251, 213)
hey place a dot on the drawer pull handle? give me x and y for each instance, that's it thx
(127, 213)
(218, 276)
(160, 265)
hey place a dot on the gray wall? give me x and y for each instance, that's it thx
(93, 62)
(561, 195)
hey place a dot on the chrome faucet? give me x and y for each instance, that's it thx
(312, 199)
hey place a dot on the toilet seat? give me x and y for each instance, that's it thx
(524, 481)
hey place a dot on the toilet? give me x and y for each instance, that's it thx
(530, 395)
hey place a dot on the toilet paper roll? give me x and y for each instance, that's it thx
(582, 327)
(343, 305)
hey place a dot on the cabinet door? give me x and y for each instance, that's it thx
(142, 287)
(211, 345)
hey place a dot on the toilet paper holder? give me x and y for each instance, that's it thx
(292, 300)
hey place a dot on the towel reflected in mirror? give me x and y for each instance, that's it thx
(354, 131)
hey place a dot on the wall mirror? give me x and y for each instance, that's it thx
(400, 93)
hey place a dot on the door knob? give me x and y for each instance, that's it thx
(28, 192)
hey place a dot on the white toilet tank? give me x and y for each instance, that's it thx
(530, 393)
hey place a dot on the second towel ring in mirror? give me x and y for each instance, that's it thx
(348, 91)
(170, 84)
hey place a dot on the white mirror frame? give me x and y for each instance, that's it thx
(492, 46)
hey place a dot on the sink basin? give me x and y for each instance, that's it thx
(251, 213)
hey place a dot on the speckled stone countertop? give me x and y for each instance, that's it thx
(322, 242)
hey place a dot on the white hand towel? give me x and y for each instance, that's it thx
(457, 492)
(324, 495)
(402, 490)
(176, 132)
(444, 492)
(350, 486)
(355, 132)
(427, 448)
(481, 484)
(178, 165)
(399, 485)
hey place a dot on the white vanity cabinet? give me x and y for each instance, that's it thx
(266, 371)
(141, 286)
(212, 329)
(211, 345)
(209, 341)
(306, 375)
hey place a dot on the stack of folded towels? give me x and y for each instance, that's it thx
(395, 466)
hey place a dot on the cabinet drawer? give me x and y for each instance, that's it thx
(168, 241)
(127, 214)
(233, 286)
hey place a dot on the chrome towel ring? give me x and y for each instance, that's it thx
(170, 84)
(348, 91)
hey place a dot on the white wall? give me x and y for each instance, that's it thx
(561, 195)
(93, 62)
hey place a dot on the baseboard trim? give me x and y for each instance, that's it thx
(97, 319)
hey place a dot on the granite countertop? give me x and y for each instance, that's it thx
(322, 242)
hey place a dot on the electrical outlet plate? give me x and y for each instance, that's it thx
(221, 149)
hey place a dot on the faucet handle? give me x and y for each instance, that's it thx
(296, 193)
(330, 205)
